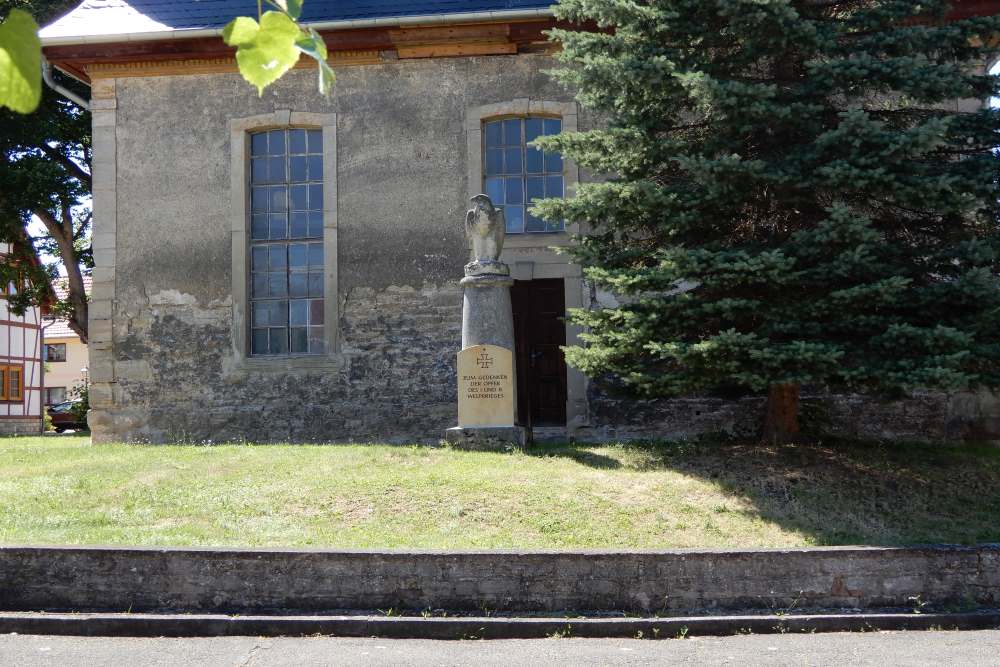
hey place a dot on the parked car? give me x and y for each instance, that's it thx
(64, 416)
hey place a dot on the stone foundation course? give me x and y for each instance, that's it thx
(204, 581)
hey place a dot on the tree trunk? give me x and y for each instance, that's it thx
(62, 232)
(781, 424)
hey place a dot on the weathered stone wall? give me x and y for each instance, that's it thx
(164, 366)
(30, 426)
(927, 417)
(243, 581)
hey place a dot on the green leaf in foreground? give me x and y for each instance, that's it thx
(20, 62)
(266, 51)
(313, 46)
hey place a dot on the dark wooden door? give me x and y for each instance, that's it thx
(539, 330)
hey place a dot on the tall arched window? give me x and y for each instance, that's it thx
(286, 242)
(515, 174)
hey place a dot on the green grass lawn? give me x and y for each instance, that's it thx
(63, 490)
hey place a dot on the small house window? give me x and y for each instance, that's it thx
(55, 352)
(286, 242)
(11, 383)
(516, 174)
(54, 395)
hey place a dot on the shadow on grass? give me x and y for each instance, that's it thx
(834, 493)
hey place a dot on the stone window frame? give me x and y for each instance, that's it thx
(521, 108)
(240, 130)
(532, 248)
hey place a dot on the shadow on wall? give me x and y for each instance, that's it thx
(835, 493)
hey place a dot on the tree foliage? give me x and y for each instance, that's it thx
(45, 173)
(801, 193)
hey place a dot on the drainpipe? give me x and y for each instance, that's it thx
(65, 92)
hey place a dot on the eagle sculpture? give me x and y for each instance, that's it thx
(486, 229)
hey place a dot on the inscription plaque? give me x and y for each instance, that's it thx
(485, 386)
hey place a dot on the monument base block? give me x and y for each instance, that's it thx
(488, 438)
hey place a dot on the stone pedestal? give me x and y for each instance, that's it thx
(487, 318)
(489, 438)
(487, 391)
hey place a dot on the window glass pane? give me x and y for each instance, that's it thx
(315, 283)
(315, 167)
(297, 168)
(316, 197)
(515, 218)
(276, 142)
(258, 199)
(276, 226)
(533, 160)
(316, 311)
(296, 141)
(276, 169)
(299, 225)
(299, 197)
(298, 284)
(277, 199)
(258, 144)
(276, 284)
(316, 345)
(532, 129)
(258, 261)
(278, 341)
(298, 255)
(277, 258)
(512, 161)
(316, 255)
(512, 132)
(534, 224)
(553, 163)
(494, 161)
(553, 126)
(494, 133)
(494, 190)
(535, 187)
(514, 191)
(279, 312)
(258, 170)
(258, 228)
(261, 313)
(298, 340)
(259, 285)
(315, 224)
(553, 186)
(315, 141)
(259, 345)
(298, 311)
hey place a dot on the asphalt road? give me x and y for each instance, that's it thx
(883, 649)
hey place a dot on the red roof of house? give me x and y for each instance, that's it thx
(60, 328)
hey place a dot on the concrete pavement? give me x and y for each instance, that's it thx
(881, 649)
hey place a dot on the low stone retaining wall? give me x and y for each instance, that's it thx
(247, 581)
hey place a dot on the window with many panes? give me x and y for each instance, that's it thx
(515, 174)
(54, 352)
(286, 242)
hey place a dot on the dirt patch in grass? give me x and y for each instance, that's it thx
(642, 495)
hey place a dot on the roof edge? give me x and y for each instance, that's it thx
(388, 22)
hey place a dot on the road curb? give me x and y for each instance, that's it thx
(412, 627)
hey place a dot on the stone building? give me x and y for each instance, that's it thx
(286, 266)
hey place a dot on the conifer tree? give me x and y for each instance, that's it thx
(800, 193)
